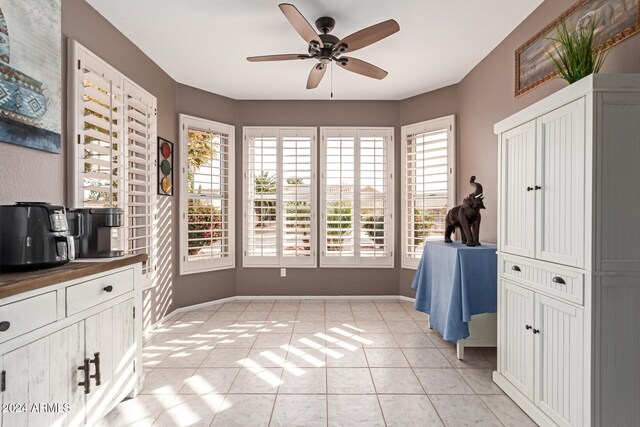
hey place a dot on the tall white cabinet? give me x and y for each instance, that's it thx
(569, 255)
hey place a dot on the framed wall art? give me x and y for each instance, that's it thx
(165, 167)
(30, 74)
(616, 20)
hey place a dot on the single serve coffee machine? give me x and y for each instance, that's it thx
(92, 229)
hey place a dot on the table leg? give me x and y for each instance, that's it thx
(460, 349)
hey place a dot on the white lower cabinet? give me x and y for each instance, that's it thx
(74, 374)
(541, 351)
(559, 352)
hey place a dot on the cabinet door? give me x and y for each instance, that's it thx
(98, 339)
(110, 333)
(45, 372)
(560, 361)
(516, 340)
(560, 175)
(517, 234)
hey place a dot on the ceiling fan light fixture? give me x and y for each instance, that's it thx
(327, 48)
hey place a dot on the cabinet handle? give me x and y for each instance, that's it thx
(4, 326)
(108, 288)
(96, 362)
(536, 331)
(559, 280)
(86, 382)
(537, 187)
(516, 268)
(529, 188)
(527, 327)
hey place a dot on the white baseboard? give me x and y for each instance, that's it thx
(272, 298)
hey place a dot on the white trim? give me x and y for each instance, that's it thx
(228, 262)
(421, 127)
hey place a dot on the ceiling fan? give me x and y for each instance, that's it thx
(326, 47)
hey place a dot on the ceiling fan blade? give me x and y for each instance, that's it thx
(369, 35)
(315, 76)
(300, 24)
(286, 57)
(361, 67)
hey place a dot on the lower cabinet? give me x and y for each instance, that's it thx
(73, 371)
(541, 346)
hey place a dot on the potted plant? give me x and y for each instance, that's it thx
(573, 52)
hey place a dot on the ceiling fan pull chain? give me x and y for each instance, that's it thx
(332, 80)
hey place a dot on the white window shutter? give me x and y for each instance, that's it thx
(113, 159)
(357, 197)
(141, 180)
(427, 184)
(279, 197)
(206, 195)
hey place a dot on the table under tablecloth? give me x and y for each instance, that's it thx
(454, 282)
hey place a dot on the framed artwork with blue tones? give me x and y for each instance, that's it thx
(30, 74)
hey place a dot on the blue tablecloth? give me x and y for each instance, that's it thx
(454, 282)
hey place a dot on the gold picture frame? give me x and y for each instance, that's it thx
(616, 20)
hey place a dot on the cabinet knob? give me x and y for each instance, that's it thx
(108, 288)
(536, 331)
(537, 187)
(529, 188)
(559, 280)
(4, 326)
(516, 268)
(527, 327)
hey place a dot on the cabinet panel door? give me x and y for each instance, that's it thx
(516, 341)
(123, 351)
(560, 175)
(111, 333)
(98, 338)
(560, 360)
(517, 232)
(45, 372)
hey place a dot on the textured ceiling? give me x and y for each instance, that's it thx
(204, 43)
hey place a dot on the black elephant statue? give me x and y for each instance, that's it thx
(466, 217)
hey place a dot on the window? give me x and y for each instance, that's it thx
(206, 195)
(428, 184)
(279, 197)
(357, 197)
(113, 159)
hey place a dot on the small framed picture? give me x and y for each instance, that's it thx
(165, 167)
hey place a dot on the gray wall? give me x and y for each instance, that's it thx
(482, 98)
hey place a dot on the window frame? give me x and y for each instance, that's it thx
(200, 266)
(357, 261)
(126, 90)
(280, 261)
(449, 123)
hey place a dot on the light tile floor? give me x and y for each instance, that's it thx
(312, 362)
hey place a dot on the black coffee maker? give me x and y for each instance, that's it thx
(92, 229)
(34, 235)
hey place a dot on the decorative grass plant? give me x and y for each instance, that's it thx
(575, 55)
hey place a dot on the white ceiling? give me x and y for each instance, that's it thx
(204, 43)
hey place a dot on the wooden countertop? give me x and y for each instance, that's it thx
(16, 283)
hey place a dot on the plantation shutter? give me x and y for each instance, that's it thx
(297, 184)
(427, 185)
(206, 195)
(141, 166)
(357, 197)
(279, 197)
(113, 158)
